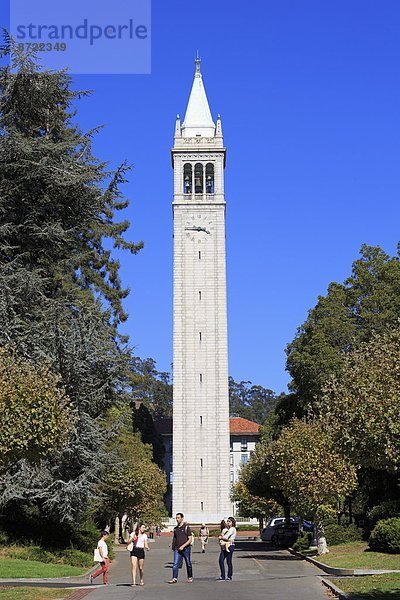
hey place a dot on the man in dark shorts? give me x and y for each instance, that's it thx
(182, 548)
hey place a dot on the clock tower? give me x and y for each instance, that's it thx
(201, 482)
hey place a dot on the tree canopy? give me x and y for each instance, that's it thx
(151, 387)
(366, 303)
(60, 290)
(249, 401)
(252, 506)
(36, 416)
(308, 469)
(135, 485)
(361, 408)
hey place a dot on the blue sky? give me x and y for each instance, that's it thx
(309, 96)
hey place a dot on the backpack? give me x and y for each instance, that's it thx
(190, 537)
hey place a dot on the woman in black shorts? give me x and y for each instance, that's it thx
(139, 539)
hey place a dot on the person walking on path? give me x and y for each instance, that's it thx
(181, 546)
(139, 539)
(227, 543)
(203, 533)
(105, 563)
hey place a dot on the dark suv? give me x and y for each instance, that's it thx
(279, 534)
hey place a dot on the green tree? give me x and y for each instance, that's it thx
(287, 407)
(142, 423)
(252, 506)
(60, 291)
(249, 401)
(257, 479)
(311, 473)
(151, 387)
(367, 302)
(36, 416)
(135, 485)
(57, 201)
(361, 409)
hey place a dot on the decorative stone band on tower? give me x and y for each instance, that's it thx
(200, 466)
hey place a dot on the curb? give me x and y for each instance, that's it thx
(337, 591)
(340, 571)
(57, 581)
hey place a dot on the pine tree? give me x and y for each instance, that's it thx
(60, 291)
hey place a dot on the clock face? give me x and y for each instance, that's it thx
(198, 228)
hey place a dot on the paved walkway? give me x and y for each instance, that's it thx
(259, 573)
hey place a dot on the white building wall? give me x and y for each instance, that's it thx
(239, 455)
(201, 480)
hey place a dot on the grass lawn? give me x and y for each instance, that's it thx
(13, 568)
(371, 587)
(25, 593)
(355, 555)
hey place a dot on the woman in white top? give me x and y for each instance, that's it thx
(227, 543)
(105, 561)
(139, 539)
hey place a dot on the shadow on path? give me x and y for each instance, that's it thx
(262, 551)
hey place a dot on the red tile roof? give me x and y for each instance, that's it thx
(237, 425)
(240, 425)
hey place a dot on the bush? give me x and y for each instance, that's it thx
(215, 532)
(386, 510)
(303, 541)
(26, 525)
(76, 558)
(342, 534)
(72, 557)
(85, 537)
(385, 536)
(40, 555)
(110, 546)
(3, 538)
(17, 552)
(31, 553)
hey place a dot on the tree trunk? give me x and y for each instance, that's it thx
(314, 541)
(124, 531)
(287, 514)
(116, 533)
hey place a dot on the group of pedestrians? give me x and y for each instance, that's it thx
(137, 545)
(181, 544)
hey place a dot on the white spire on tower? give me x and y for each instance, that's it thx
(198, 119)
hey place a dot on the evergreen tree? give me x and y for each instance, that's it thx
(142, 422)
(60, 291)
(151, 387)
(368, 302)
(57, 201)
(249, 401)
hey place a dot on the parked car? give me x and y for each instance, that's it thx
(276, 530)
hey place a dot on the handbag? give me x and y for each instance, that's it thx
(97, 556)
(131, 545)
